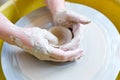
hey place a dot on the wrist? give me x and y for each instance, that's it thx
(14, 34)
(21, 38)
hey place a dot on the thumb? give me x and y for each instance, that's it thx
(52, 39)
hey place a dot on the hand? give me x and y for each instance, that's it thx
(78, 31)
(73, 21)
(69, 19)
(37, 42)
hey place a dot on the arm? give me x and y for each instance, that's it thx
(62, 16)
(6, 29)
(11, 33)
(56, 5)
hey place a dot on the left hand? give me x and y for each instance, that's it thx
(74, 21)
(78, 31)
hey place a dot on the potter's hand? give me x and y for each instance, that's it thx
(78, 31)
(69, 19)
(73, 21)
(37, 42)
(63, 17)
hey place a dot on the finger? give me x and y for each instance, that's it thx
(78, 18)
(70, 59)
(52, 39)
(75, 42)
(78, 31)
(64, 55)
(69, 24)
(79, 56)
(70, 46)
(76, 56)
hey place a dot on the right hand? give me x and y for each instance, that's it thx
(74, 21)
(37, 41)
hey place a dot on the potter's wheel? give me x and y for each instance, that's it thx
(100, 44)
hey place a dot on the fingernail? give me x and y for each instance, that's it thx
(87, 22)
(79, 57)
